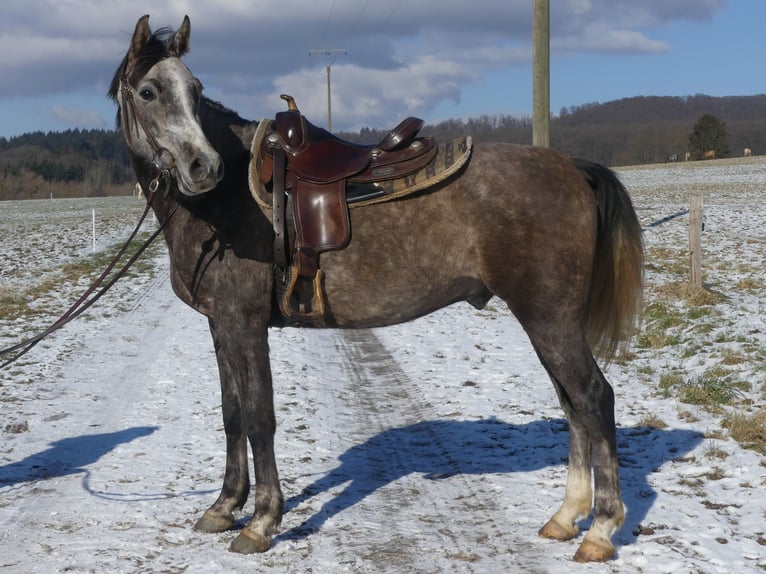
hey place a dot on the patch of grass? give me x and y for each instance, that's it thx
(733, 357)
(670, 381)
(667, 260)
(28, 302)
(713, 451)
(695, 295)
(663, 315)
(696, 313)
(748, 429)
(687, 416)
(750, 284)
(13, 304)
(714, 388)
(653, 421)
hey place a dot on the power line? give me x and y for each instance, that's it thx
(327, 22)
(361, 13)
(391, 15)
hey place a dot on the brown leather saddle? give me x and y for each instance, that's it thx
(311, 172)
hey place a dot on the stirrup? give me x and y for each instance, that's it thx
(290, 303)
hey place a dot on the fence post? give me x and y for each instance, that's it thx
(695, 240)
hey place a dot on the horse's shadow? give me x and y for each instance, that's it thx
(439, 449)
(68, 456)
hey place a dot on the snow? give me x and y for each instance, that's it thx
(436, 446)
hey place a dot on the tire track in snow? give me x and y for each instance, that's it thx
(415, 524)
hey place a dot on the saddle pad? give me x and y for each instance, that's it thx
(449, 159)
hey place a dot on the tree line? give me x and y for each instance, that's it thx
(629, 131)
(71, 163)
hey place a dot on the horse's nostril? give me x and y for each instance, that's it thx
(198, 169)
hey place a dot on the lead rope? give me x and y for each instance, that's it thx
(83, 303)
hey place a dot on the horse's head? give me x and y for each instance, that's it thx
(159, 101)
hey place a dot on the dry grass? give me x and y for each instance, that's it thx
(748, 429)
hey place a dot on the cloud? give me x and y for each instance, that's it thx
(401, 57)
(85, 119)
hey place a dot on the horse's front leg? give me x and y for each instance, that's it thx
(243, 358)
(236, 481)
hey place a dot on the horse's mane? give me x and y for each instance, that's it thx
(217, 106)
(155, 49)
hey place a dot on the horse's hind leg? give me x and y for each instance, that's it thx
(588, 402)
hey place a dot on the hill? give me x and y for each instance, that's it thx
(639, 130)
(651, 129)
(73, 163)
(630, 131)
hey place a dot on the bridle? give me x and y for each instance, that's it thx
(129, 114)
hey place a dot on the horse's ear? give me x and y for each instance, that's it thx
(179, 44)
(141, 36)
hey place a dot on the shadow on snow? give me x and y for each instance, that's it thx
(68, 456)
(440, 449)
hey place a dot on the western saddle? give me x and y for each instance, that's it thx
(312, 174)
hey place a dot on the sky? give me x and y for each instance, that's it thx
(436, 59)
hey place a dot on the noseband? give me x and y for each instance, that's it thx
(129, 113)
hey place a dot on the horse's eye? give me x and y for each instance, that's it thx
(146, 94)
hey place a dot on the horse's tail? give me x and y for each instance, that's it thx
(615, 300)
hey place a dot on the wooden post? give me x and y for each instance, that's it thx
(541, 72)
(696, 213)
(329, 101)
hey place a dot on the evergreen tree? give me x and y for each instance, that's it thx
(709, 134)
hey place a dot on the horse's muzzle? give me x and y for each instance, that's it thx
(203, 174)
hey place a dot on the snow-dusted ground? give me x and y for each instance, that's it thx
(435, 446)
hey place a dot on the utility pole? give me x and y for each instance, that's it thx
(328, 52)
(541, 74)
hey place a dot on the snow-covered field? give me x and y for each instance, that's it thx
(435, 446)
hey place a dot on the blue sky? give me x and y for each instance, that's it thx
(436, 59)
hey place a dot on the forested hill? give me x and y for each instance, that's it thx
(73, 163)
(629, 131)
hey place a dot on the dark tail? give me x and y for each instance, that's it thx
(615, 301)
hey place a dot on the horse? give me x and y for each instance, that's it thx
(556, 238)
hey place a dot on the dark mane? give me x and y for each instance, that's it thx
(217, 106)
(156, 49)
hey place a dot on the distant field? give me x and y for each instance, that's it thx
(48, 256)
(705, 348)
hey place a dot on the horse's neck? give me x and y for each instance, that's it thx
(229, 134)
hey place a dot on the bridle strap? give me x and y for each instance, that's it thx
(129, 114)
(83, 303)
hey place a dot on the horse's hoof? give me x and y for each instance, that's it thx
(555, 531)
(246, 543)
(594, 551)
(214, 523)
